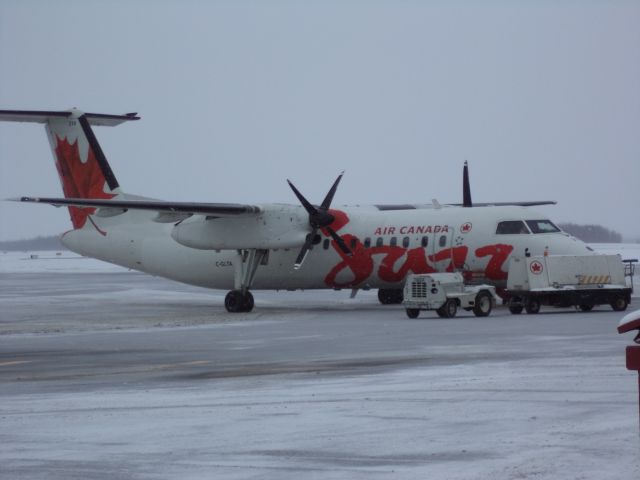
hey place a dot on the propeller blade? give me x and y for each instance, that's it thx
(305, 249)
(326, 203)
(305, 203)
(339, 241)
(319, 217)
(466, 187)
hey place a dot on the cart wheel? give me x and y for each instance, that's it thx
(585, 308)
(449, 309)
(413, 312)
(619, 304)
(532, 305)
(483, 304)
(516, 309)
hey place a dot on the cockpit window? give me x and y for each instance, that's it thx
(511, 227)
(542, 226)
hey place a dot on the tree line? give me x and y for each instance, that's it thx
(591, 233)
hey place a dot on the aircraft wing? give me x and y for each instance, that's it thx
(188, 208)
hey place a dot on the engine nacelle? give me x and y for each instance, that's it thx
(277, 226)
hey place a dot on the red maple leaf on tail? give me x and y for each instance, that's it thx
(79, 180)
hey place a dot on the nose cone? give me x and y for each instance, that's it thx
(564, 244)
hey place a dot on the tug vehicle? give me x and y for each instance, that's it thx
(445, 293)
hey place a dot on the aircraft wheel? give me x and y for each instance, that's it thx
(236, 301)
(448, 310)
(585, 308)
(516, 309)
(532, 305)
(413, 312)
(483, 304)
(390, 296)
(247, 304)
(619, 304)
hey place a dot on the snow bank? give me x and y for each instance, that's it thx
(52, 261)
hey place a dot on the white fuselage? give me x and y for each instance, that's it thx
(386, 245)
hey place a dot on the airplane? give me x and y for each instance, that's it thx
(272, 246)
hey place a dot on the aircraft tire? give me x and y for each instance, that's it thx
(585, 308)
(247, 303)
(516, 309)
(390, 296)
(483, 304)
(235, 301)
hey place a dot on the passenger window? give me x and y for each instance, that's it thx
(425, 241)
(405, 242)
(393, 242)
(379, 242)
(443, 241)
(542, 226)
(325, 244)
(367, 242)
(511, 227)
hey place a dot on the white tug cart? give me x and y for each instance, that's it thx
(445, 293)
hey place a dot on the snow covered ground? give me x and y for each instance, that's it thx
(545, 419)
(153, 380)
(62, 261)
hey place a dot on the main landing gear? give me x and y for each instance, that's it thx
(240, 299)
(390, 296)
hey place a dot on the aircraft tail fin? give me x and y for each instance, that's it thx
(82, 165)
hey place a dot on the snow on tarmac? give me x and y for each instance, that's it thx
(547, 399)
(543, 419)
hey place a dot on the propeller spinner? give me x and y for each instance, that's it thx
(319, 217)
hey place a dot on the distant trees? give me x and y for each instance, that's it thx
(591, 233)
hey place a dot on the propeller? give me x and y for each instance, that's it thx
(466, 187)
(319, 217)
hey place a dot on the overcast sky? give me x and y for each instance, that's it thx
(542, 98)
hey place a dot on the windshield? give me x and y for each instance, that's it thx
(542, 226)
(511, 227)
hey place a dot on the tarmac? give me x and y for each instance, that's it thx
(121, 375)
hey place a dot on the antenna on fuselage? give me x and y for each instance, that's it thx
(466, 187)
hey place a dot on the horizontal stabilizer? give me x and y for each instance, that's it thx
(507, 204)
(213, 209)
(41, 116)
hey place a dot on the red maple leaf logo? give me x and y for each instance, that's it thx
(79, 180)
(536, 267)
(466, 227)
